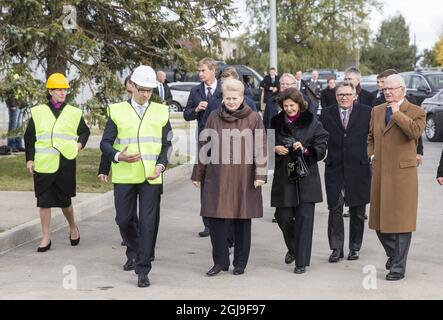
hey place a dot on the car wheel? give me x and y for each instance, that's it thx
(175, 107)
(432, 130)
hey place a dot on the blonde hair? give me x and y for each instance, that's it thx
(233, 85)
(209, 62)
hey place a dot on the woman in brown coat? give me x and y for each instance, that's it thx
(233, 165)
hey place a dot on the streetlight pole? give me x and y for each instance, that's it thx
(273, 35)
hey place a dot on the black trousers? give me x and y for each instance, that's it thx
(139, 242)
(297, 225)
(336, 228)
(204, 219)
(220, 247)
(135, 221)
(396, 245)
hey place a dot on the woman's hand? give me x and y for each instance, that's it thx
(297, 145)
(196, 184)
(258, 183)
(103, 178)
(281, 151)
(30, 166)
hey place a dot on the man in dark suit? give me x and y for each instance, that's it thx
(270, 84)
(353, 75)
(347, 169)
(199, 97)
(138, 150)
(162, 90)
(312, 89)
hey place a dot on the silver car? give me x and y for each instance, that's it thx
(180, 94)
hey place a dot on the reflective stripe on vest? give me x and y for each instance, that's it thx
(141, 136)
(54, 136)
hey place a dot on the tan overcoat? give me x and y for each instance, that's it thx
(394, 184)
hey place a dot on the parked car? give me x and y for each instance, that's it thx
(370, 86)
(434, 117)
(423, 83)
(180, 94)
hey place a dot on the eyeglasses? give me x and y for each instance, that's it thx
(143, 90)
(390, 89)
(344, 95)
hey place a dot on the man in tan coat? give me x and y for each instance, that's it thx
(392, 146)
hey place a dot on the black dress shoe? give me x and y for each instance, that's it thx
(353, 255)
(366, 216)
(129, 265)
(123, 243)
(74, 242)
(289, 258)
(215, 270)
(143, 281)
(394, 276)
(336, 255)
(151, 258)
(299, 269)
(389, 263)
(274, 220)
(204, 233)
(45, 248)
(237, 271)
(347, 214)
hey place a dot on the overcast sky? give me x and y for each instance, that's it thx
(425, 18)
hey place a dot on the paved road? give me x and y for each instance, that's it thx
(183, 258)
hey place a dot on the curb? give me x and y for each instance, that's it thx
(31, 230)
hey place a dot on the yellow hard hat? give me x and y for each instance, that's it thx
(57, 81)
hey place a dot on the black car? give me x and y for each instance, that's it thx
(423, 83)
(434, 117)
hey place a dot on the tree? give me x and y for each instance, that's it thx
(311, 33)
(101, 38)
(391, 47)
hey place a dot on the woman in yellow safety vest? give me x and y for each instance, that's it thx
(55, 134)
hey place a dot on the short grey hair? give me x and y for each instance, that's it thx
(289, 75)
(345, 84)
(397, 78)
(354, 70)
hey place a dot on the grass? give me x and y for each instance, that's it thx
(14, 176)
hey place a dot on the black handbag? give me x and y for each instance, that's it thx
(297, 169)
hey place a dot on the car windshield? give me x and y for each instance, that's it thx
(436, 80)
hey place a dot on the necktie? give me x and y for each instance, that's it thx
(209, 95)
(140, 111)
(388, 114)
(344, 118)
(161, 91)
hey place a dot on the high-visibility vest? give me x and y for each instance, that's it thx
(142, 136)
(54, 136)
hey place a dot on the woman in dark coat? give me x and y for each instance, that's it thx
(54, 190)
(233, 173)
(297, 132)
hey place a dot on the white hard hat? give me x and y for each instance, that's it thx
(144, 76)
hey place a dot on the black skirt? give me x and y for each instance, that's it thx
(53, 197)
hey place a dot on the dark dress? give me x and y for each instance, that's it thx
(54, 190)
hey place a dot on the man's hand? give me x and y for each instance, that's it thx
(103, 178)
(196, 184)
(273, 89)
(440, 181)
(157, 173)
(124, 156)
(281, 151)
(79, 146)
(201, 106)
(258, 183)
(419, 159)
(30, 166)
(395, 106)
